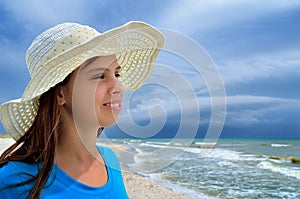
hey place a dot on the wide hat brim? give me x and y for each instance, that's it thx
(135, 44)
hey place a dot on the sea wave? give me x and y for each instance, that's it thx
(280, 145)
(206, 152)
(149, 144)
(159, 177)
(287, 171)
(205, 144)
(280, 159)
(213, 175)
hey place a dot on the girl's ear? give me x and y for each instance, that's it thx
(60, 96)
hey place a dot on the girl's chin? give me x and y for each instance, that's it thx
(109, 123)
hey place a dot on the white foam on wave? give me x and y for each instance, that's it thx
(153, 145)
(287, 171)
(223, 154)
(280, 145)
(212, 144)
(154, 159)
(135, 141)
(192, 150)
(226, 163)
(167, 147)
(158, 143)
(216, 153)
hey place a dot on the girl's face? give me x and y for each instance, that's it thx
(93, 95)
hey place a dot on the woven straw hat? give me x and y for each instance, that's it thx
(58, 51)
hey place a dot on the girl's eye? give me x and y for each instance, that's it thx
(101, 76)
(98, 77)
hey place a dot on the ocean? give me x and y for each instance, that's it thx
(228, 169)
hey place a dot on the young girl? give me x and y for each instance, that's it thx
(78, 80)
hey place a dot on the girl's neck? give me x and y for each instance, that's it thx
(80, 159)
(78, 144)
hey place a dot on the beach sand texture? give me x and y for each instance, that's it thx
(137, 186)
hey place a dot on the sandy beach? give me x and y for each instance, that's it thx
(137, 186)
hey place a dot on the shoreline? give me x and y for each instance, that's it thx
(137, 186)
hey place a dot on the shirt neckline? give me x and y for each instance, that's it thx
(72, 183)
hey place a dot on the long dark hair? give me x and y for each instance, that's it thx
(39, 142)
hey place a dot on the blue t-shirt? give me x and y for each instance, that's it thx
(61, 185)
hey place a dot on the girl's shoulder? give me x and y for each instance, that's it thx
(9, 174)
(109, 157)
(17, 165)
(14, 169)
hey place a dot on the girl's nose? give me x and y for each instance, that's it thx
(116, 88)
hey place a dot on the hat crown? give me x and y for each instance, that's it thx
(55, 42)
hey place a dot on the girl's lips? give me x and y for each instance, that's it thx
(115, 106)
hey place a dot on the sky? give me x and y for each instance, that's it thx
(229, 69)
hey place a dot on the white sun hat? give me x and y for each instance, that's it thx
(58, 51)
